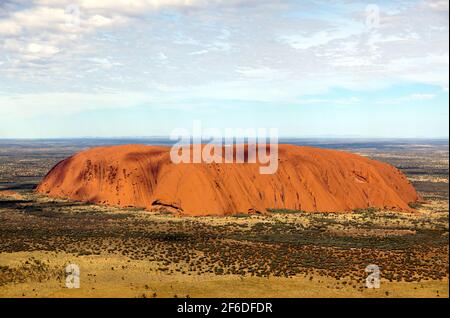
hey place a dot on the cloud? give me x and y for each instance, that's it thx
(261, 72)
(137, 5)
(438, 5)
(104, 63)
(415, 97)
(9, 28)
(30, 50)
(200, 52)
(304, 42)
(140, 7)
(161, 56)
(431, 68)
(423, 96)
(352, 100)
(179, 52)
(58, 104)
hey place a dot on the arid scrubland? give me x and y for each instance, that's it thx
(135, 253)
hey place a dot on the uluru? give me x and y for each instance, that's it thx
(307, 179)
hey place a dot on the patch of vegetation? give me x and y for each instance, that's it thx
(284, 211)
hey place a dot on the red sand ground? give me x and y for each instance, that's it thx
(308, 179)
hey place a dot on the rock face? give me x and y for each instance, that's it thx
(307, 179)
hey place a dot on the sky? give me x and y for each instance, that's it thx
(99, 68)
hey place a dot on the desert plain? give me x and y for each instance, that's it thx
(131, 252)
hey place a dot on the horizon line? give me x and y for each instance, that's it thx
(279, 138)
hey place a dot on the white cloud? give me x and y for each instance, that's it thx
(430, 69)
(423, 96)
(41, 49)
(261, 72)
(439, 5)
(30, 105)
(40, 17)
(321, 38)
(42, 31)
(180, 50)
(161, 56)
(132, 7)
(376, 38)
(407, 98)
(9, 28)
(30, 50)
(200, 52)
(98, 21)
(327, 101)
(104, 63)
